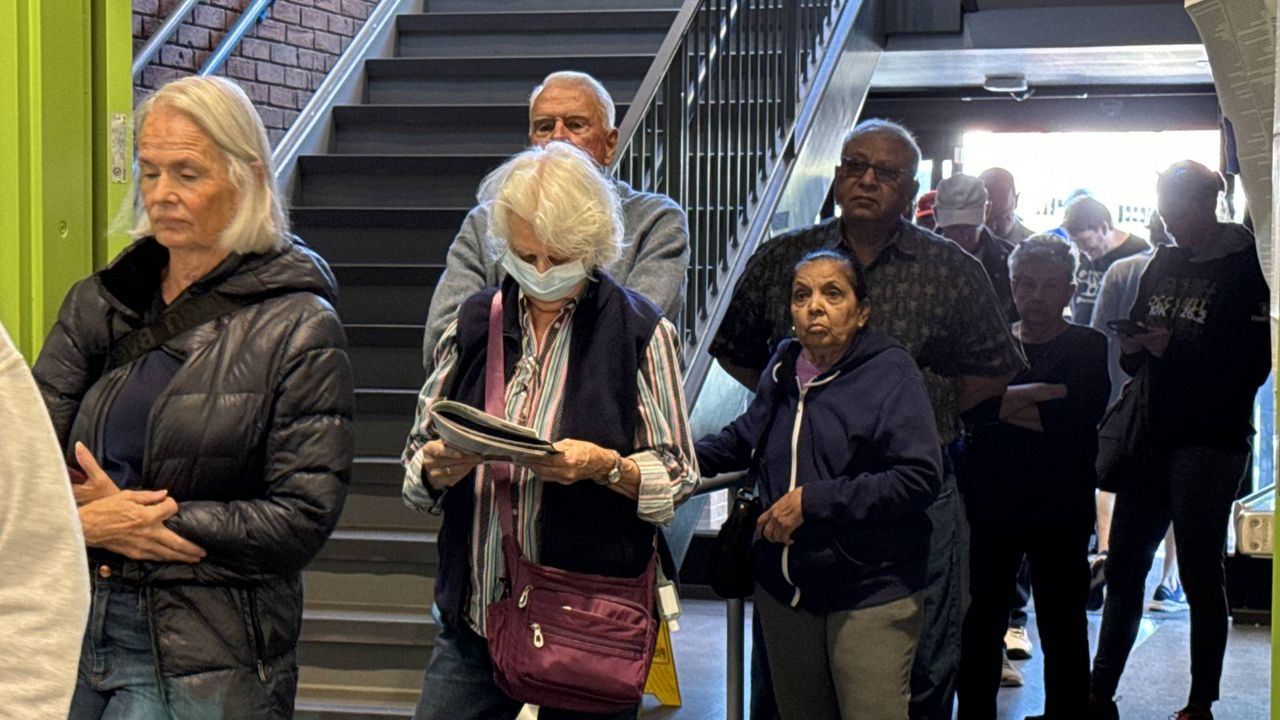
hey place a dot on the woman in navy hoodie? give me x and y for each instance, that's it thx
(841, 444)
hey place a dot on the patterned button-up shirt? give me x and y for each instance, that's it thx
(925, 291)
(534, 396)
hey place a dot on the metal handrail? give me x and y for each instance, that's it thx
(252, 15)
(161, 36)
(708, 128)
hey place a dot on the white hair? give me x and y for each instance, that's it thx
(226, 115)
(1046, 248)
(559, 190)
(572, 78)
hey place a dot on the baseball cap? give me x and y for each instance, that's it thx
(924, 206)
(962, 200)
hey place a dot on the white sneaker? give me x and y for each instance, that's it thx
(1017, 643)
(1010, 676)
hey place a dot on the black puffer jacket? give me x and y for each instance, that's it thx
(252, 437)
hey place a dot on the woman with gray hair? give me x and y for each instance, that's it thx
(587, 363)
(1029, 482)
(201, 391)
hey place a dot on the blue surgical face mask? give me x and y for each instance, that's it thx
(556, 283)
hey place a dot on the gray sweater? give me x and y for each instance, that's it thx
(653, 261)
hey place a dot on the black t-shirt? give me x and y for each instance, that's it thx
(1215, 306)
(1089, 277)
(124, 445)
(1011, 461)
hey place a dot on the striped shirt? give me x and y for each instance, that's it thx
(534, 395)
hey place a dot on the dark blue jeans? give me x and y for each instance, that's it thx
(459, 684)
(1195, 492)
(118, 677)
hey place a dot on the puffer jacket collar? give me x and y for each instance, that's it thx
(127, 282)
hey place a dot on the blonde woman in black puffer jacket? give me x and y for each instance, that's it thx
(217, 462)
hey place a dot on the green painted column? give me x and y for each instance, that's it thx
(112, 122)
(64, 72)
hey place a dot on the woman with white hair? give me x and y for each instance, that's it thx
(587, 363)
(201, 390)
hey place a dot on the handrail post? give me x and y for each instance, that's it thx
(735, 656)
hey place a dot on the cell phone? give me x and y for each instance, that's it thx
(1127, 327)
(77, 475)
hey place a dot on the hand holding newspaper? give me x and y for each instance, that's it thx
(466, 428)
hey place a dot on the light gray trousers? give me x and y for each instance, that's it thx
(851, 665)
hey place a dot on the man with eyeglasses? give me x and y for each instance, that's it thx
(574, 107)
(937, 302)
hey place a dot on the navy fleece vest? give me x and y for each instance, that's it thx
(584, 527)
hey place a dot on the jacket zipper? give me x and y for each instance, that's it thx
(257, 634)
(795, 443)
(795, 446)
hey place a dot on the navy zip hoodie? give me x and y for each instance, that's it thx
(860, 439)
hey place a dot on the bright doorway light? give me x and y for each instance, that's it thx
(1117, 168)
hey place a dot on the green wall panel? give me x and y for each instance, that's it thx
(64, 68)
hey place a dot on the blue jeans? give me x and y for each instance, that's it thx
(459, 684)
(118, 677)
(1195, 492)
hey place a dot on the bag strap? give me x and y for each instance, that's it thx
(494, 404)
(186, 314)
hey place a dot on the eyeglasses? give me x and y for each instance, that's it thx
(856, 169)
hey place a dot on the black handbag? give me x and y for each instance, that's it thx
(731, 572)
(1124, 448)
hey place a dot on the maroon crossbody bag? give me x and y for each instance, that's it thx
(562, 639)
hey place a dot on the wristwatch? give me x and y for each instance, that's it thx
(615, 475)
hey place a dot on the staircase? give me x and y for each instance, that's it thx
(382, 206)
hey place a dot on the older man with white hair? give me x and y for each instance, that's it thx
(574, 107)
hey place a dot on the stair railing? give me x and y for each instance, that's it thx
(255, 13)
(161, 36)
(708, 128)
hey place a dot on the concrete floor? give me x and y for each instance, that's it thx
(1154, 685)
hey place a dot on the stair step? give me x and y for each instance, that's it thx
(363, 234)
(367, 628)
(485, 129)
(534, 33)
(377, 587)
(380, 546)
(383, 418)
(313, 706)
(392, 180)
(386, 356)
(508, 79)
(380, 508)
(525, 5)
(385, 294)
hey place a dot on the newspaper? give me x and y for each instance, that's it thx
(1239, 37)
(465, 428)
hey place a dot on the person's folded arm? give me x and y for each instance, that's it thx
(309, 449)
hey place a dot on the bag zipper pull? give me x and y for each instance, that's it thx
(524, 596)
(537, 635)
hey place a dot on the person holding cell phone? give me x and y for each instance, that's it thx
(1204, 304)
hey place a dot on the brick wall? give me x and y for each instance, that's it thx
(279, 63)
